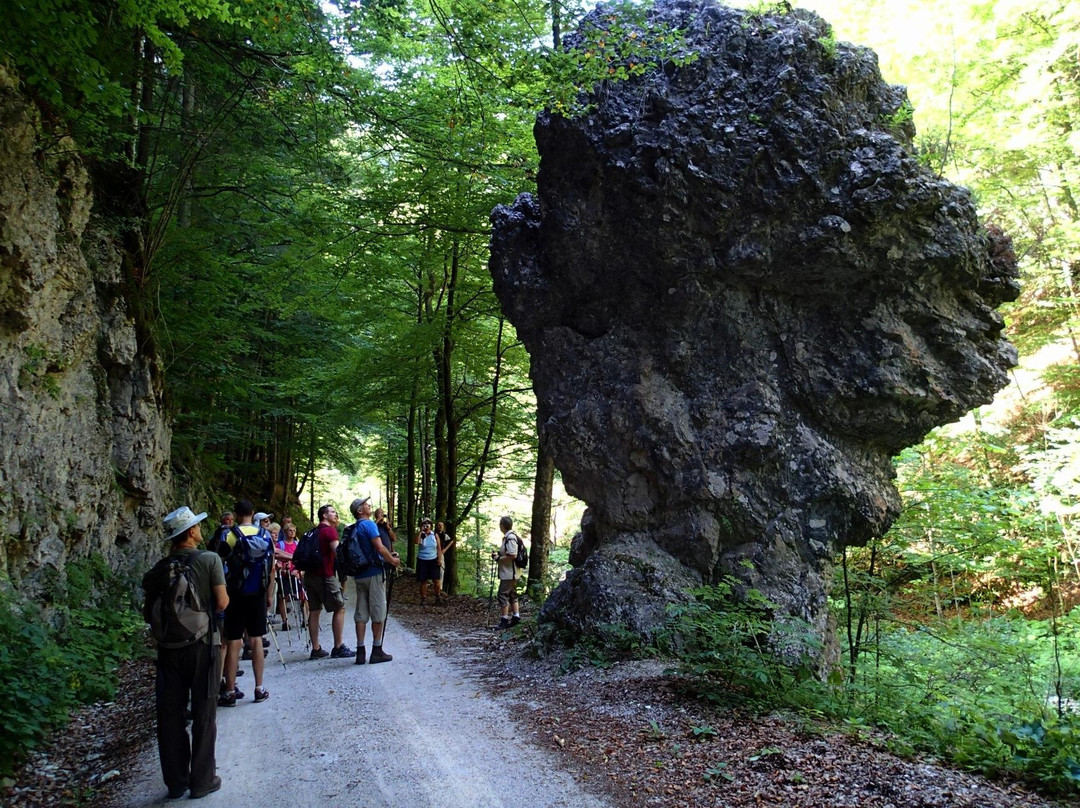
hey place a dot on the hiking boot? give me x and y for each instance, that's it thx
(210, 788)
(515, 620)
(284, 625)
(246, 655)
(266, 643)
(318, 653)
(361, 655)
(177, 793)
(226, 700)
(341, 652)
(504, 623)
(379, 655)
(261, 695)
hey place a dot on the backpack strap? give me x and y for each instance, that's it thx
(210, 607)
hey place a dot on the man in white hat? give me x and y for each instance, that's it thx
(190, 671)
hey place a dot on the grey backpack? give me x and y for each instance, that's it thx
(173, 608)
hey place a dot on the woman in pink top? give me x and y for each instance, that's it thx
(290, 589)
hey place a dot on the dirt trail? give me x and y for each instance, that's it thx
(417, 731)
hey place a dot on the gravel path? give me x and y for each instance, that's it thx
(417, 731)
(627, 732)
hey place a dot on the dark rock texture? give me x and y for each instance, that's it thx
(742, 295)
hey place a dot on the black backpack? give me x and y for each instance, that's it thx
(521, 560)
(173, 608)
(351, 557)
(307, 556)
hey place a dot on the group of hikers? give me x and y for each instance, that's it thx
(205, 603)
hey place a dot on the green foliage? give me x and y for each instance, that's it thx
(937, 650)
(77, 56)
(619, 44)
(972, 533)
(558, 562)
(40, 368)
(51, 662)
(980, 694)
(731, 648)
(719, 770)
(828, 45)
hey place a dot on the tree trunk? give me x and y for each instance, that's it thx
(311, 476)
(485, 454)
(447, 506)
(410, 479)
(541, 515)
(187, 124)
(425, 461)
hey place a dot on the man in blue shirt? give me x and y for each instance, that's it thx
(370, 587)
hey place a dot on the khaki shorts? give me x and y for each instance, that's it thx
(324, 594)
(508, 595)
(370, 599)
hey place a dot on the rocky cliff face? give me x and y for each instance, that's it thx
(84, 453)
(742, 295)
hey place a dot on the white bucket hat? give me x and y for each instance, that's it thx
(180, 520)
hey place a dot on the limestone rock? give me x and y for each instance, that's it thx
(742, 294)
(84, 455)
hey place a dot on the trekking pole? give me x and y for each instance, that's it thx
(297, 607)
(282, 594)
(305, 615)
(273, 636)
(392, 573)
(491, 591)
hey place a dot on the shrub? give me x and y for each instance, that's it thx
(732, 648)
(51, 662)
(980, 694)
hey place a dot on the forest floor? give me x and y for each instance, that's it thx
(625, 732)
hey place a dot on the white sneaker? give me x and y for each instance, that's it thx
(273, 619)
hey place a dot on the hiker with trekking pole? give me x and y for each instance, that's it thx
(510, 570)
(372, 601)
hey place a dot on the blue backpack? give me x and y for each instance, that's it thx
(250, 562)
(354, 555)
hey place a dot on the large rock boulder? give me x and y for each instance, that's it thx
(742, 294)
